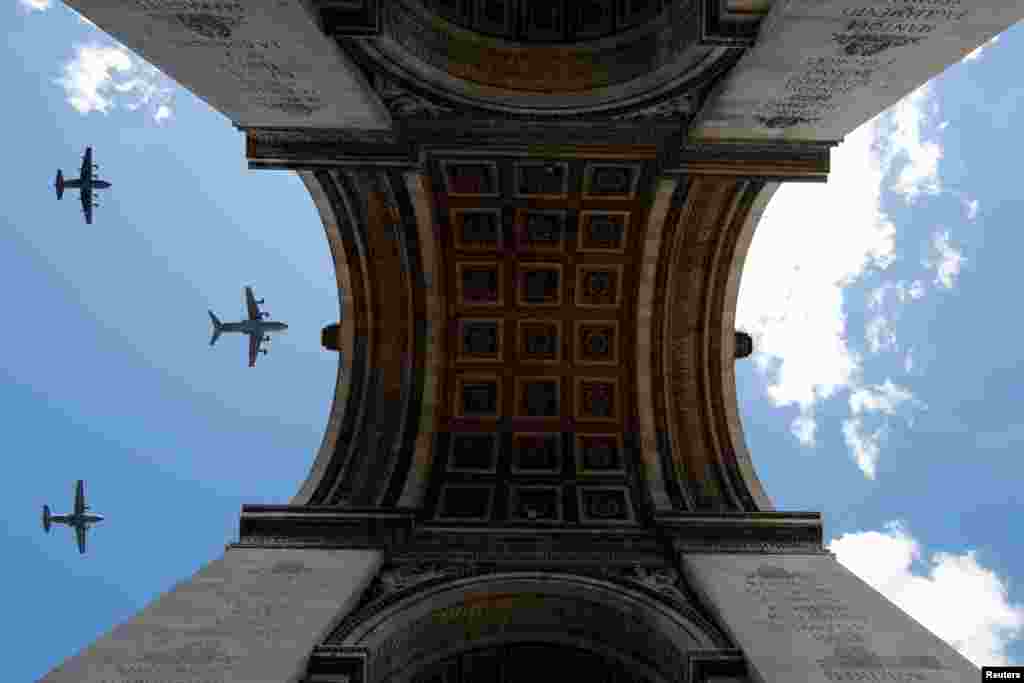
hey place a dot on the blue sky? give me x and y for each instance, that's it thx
(885, 391)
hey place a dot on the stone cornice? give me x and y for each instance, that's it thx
(743, 532)
(791, 161)
(396, 532)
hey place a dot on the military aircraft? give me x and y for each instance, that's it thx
(87, 182)
(256, 326)
(80, 520)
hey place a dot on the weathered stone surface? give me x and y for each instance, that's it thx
(821, 68)
(259, 62)
(253, 615)
(829, 623)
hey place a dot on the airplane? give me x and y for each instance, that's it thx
(87, 182)
(80, 519)
(256, 327)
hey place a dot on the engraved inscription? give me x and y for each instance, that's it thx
(811, 94)
(798, 601)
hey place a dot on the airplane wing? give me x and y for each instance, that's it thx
(79, 497)
(80, 534)
(254, 349)
(251, 305)
(86, 196)
(86, 173)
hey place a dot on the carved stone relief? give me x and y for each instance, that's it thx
(404, 103)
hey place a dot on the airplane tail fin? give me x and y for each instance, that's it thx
(216, 328)
(59, 184)
(46, 518)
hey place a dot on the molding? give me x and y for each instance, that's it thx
(349, 17)
(317, 526)
(711, 666)
(294, 148)
(397, 532)
(743, 532)
(337, 664)
(798, 161)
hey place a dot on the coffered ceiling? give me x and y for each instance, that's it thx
(539, 257)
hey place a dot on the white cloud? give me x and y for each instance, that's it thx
(883, 398)
(875, 404)
(878, 330)
(946, 260)
(972, 208)
(906, 119)
(99, 78)
(977, 52)
(36, 5)
(804, 428)
(792, 302)
(956, 598)
(879, 334)
(864, 445)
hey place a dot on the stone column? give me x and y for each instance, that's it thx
(807, 618)
(254, 615)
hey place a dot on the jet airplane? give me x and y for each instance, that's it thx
(87, 182)
(256, 326)
(80, 519)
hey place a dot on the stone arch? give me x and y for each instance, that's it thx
(650, 637)
(707, 232)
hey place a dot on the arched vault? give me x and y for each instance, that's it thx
(570, 318)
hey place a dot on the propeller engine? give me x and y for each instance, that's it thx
(46, 518)
(59, 184)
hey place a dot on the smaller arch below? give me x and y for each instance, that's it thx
(647, 638)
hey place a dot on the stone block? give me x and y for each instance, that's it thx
(253, 615)
(807, 618)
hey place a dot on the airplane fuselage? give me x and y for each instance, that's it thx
(90, 184)
(257, 327)
(76, 520)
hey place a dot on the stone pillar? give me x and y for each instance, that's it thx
(807, 618)
(820, 68)
(258, 62)
(254, 615)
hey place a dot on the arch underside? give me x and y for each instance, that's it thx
(402, 430)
